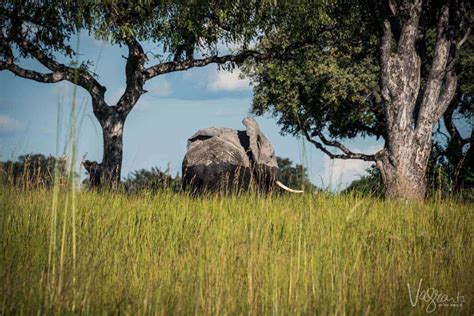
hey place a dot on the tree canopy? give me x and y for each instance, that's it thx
(186, 34)
(329, 87)
(388, 70)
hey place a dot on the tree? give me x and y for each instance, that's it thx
(453, 154)
(453, 151)
(294, 176)
(187, 33)
(34, 170)
(390, 74)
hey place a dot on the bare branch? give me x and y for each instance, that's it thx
(449, 89)
(464, 38)
(455, 58)
(77, 76)
(190, 63)
(452, 128)
(33, 75)
(283, 53)
(385, 48)
(440, 132)
(347, 154)
(431, 109)
(409, 29)
(8, 64)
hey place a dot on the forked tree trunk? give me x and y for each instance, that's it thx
(411, 111)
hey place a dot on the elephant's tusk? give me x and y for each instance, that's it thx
(284, 187)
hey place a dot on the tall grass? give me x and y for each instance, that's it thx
(170, 253)
(64, 251)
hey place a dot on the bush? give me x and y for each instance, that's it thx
(151, 180)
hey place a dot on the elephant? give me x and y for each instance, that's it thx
(220, 159)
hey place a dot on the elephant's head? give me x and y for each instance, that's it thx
(259, 148)
(261, 155)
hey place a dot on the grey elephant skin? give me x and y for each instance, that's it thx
(227, 160)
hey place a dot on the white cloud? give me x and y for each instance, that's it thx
(339, 173)
(9, 125)
(228, 81)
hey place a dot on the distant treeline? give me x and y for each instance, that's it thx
(34, 170)
(37, 170)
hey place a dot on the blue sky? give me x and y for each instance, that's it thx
(156, 130)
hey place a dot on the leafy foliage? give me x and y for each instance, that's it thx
(370, 184)
(332, 89)
(295, 177)
(330, 86)
(179, 28)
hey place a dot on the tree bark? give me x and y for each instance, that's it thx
(112, 129)
(107, 173)
(404, 160)
(403, 171)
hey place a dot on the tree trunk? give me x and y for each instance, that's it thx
(113, 150)
(412, 110)
(403, 165)
(107, 173)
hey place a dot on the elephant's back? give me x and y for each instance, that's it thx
(224, 149)
(216, 163)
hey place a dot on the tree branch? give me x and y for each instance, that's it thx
(464, 38)
(173, 66)
(135, 77)
(409, 29)
(74, 75)
(433, 104)
(31, 74)
(440, 132)
(347, 154)
(8, 64)
(452, 128)
(385, 48)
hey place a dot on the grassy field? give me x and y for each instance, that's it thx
(169, 253)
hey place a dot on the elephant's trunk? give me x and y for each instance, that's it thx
(284, 187)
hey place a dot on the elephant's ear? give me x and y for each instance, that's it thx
(253, 132)
(259, 146)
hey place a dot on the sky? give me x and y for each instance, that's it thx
(34, 117)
